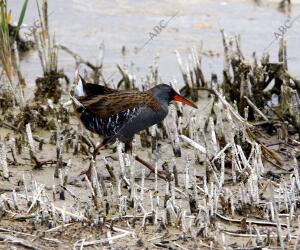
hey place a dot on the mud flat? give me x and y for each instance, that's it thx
(226, 174)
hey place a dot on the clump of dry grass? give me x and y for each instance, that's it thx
(49, 85)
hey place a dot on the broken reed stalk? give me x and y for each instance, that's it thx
(13, 150)
(60, 143)
(3, 161)
(31, 146)
(127, 78)
(256, 108)
(193, 143)
(92, 189)
(110, 170)
(97, 68)
(172, 131)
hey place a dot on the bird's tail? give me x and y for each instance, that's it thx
(79, 89)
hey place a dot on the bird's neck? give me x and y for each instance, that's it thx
(162, 100)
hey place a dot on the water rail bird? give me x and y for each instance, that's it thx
(120, 114)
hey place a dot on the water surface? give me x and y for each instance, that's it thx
(82, 25)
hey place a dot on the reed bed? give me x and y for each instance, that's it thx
(225, 176)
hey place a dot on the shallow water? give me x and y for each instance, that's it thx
(82, 25)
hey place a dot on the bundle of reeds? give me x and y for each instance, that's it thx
(9, 55)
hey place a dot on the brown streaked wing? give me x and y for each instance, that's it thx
(108, 105)
(95, 89)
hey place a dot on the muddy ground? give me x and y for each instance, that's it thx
(151, 236)
(254, 209)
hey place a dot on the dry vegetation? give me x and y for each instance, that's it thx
(226, 175)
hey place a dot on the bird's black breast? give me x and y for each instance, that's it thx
(144, 118)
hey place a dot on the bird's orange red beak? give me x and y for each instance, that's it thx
(180, 98)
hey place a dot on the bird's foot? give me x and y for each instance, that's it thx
(87, 172)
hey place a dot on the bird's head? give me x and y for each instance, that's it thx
(165, 93)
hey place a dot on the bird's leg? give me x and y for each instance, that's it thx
(88, 172)
(128, 147)
(128, 150)
(96, 150)
(160, 174)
